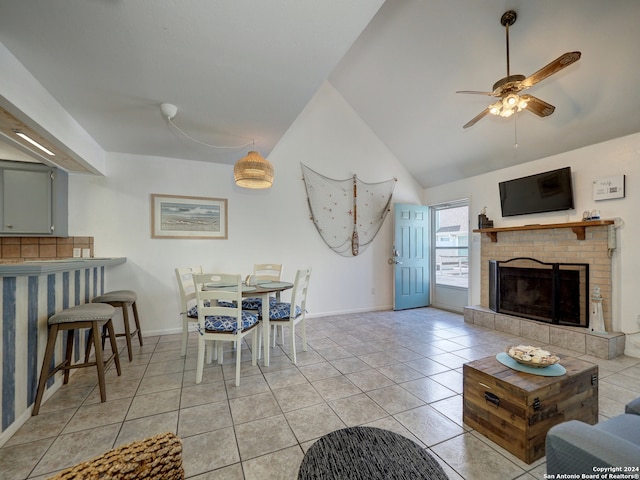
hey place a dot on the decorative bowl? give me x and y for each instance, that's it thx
(532, 356)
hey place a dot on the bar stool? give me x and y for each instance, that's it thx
(91, 316)
(122, 299)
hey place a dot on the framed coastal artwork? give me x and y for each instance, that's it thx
(174, 216)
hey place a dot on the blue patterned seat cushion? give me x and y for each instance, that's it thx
(193, 311)
(255, 303)
(279, 311)
(222, 323)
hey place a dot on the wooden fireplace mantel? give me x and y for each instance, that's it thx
(577, 227)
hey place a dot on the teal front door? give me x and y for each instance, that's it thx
(410, 256)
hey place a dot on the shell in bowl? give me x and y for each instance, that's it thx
(532, 356)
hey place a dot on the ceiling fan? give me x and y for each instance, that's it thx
(508, 89)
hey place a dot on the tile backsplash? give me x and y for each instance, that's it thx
(19, 249)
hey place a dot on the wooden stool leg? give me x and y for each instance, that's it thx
(99, 360)
(137, 320)
(44, 375)
(114, 346)
(68, 354)
(87, 350)
(127, 329)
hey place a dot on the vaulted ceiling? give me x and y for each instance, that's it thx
(241, 71)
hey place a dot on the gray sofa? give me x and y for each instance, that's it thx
(575, 447)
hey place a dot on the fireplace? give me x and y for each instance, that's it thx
(555, 293)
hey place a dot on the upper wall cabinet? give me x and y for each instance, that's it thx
(33, 200)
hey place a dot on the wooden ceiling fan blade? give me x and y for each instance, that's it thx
(477, 118)
(537, 106)
(558, 64)
(474, 92)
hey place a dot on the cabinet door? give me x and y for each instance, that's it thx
(26, 201)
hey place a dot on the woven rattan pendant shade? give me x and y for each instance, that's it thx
(253, 171)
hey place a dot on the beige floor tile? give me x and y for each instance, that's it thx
(296, 397)
(334, 353)
(313, 422)
(209, 451)
(118, 388)
(400, 372)
(263, 436)
(319, 371)
(204, 418)
(66, 397)
(73, 448)
(40, 427)
(357, 410)
(248, 386)
(472, 459)
(165, 366)
(285, 378)
(254, 407)
(199, 394)
(335, 387)
(427, 390)
(158, 383)
(145, 427)
(451, 407)
(350, 365)
(379, 359)
(369, 380)
(232, 472)
(152, 404)
(97, 415)
(429, 425)
(17, 461)
(450, 379)
(394, 399)
(280, 465)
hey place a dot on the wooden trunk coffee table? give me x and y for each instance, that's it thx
(516, 409)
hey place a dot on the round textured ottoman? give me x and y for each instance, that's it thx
(368, 453)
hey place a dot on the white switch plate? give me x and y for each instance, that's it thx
(86, 252)
(76, 252)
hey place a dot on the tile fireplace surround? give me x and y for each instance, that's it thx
(551, 245)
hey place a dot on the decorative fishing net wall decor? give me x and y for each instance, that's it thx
(347, 213)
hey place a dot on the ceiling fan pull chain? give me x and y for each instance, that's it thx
(515, 131)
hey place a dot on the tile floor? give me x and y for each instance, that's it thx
(396, 370)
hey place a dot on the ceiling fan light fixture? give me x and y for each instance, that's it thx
(253, 171)
(495, 108)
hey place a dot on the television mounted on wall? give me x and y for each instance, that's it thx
(544, 192)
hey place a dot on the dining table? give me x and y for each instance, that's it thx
(263, 289)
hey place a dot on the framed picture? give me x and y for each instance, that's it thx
(174, 216)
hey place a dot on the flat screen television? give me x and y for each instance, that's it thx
(544, 192)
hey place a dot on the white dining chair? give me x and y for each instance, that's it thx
(221, 318)
(270, 272)
(290, 314)
(187, 289)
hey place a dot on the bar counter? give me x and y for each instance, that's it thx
(30, 293)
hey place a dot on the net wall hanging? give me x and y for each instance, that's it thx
(347, 213)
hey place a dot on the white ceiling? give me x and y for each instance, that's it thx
(241, 70)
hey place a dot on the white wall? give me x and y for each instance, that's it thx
(264, 225)
(615, 157)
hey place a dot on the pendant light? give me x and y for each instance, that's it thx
(252, 171)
